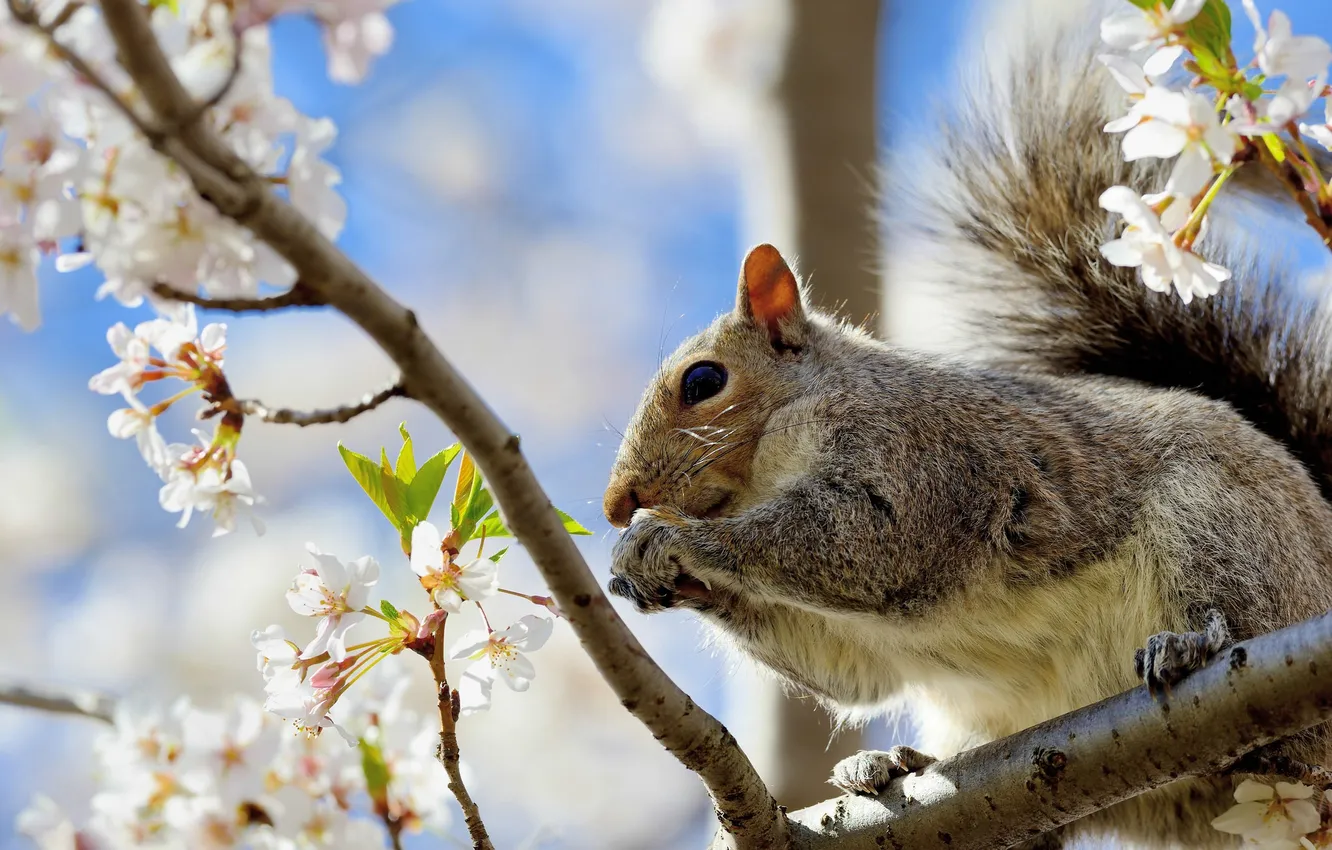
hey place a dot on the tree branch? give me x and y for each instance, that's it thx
(743, 804)
(60, 701)
(346, 413)
(1005, 792)
(298, 296)
(448, 744)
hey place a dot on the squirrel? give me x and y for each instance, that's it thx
(1127, 483)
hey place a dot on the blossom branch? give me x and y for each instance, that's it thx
(59, 701)
(346, 413)
(448, 744)
(746, 809)
(1294, 183)
(298, 296)
(1004, 792)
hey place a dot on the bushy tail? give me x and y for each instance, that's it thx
(1007, 208)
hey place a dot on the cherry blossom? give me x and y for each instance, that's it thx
(335, 592)
(448, 583)
(1281, 53)
(1321, 133)
(1182, 124)
(1271, 816)
(1151, 27)
(1146, 244)
(499, 655)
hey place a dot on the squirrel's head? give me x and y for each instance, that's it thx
(690, 445)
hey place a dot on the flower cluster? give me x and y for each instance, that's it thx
(183, 777)
(1208, 137)
(204, 477)
(1283, 816)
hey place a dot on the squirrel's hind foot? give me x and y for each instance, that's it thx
(869, 771)
(1170, 656)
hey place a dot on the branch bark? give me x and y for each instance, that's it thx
(448, 745)
(744, 806)
(58, 700)
(1002, 793)
(346, 413)
(298, 296)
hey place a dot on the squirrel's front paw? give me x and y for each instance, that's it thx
(650, 565)
(1170, 656)
(870, 771)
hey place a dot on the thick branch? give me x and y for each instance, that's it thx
(1002, 793)
(57, 700)
(448, 745)
(691, 734)
(298, 296)
(346, 413)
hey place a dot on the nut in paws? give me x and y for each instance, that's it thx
(650, 566)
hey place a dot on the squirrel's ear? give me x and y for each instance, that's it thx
(769, 296)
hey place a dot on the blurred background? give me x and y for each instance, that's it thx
(561, 188)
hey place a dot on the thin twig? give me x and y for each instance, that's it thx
(284, 416)
(298, 296)
(60, 701)
(448, 745)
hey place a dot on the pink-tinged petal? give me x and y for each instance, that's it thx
(1160, 62)
(1127, 30)
(537, 632)
(1119, 125)
(516, 671)
(329, 568)
(213, 337)
(1294, 791)
(1154, 139)
(448, 599)
(1240, 819)
(337, 640)
(306, 595)
(319, 644)
(1122, 252)
(1192, 171)
(427, 556)
(1126, 72)
(1304, 817)
(470, 644)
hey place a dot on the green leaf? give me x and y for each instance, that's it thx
(406, 465)
(1275, 145)
(479, 503)
(171, 5)
(376, 770)
(370, 476)
(571, 525)
(493, 526)
(462, 490)
(425, 485)
(1209, 31)
(395, 493)
(388, 610)
(500, 554)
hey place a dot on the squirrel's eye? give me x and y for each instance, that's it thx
(702, 381)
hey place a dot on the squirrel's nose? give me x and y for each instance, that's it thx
(621, 502)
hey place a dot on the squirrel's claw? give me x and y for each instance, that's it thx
(1170, 656)
(868, 772)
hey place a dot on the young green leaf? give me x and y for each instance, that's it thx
(1210, 30)
(500, 554)
(388, 610)
(493, 526)
(479, 503)
(425, 485)
(406, 465)
(370, 476)
(462, 490)
(571, 525)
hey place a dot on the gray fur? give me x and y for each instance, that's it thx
(991, 540)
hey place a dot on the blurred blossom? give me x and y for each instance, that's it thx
(720, 57)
